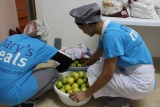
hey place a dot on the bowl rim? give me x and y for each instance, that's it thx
(60, 93)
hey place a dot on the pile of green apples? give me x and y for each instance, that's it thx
(78, 62)
(76, 81)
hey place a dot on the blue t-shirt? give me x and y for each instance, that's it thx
(124, 42)
(19, 55)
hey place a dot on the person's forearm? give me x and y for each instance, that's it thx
(90, 61)
(105, 76)
(93, 58)
(98, 84)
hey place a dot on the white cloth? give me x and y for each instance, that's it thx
(78, 52)
(134, 82)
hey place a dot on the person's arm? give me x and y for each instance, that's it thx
(64, 61)
(106, 75)
(93, 58)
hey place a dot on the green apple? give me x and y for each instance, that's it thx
(64, 80)
(79, 65)
(84, 85)
(76, 89)
(80, 81)
(70, 80)
(81, 74)
(73, 65)
(62, 90)
(85, 76)
(72, 74)
(83, 88)
(59, 84)
(70, 91)
(85, 80)
(76, 62)
(67, 87)
(68, 76)
(75, 85)
(76, 75)
(64, 86)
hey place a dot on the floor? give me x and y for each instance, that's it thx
(50, 99)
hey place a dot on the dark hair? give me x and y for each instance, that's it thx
(93, 23)
(81, 24)
(99, 12)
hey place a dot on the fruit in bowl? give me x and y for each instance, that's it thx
(78, 62)
(79, 84)
(76, 65)
(74, 80)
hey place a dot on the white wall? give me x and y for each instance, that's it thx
(8, 18)
(56, 14)
(151, 36)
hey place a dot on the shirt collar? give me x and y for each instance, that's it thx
(104, 27)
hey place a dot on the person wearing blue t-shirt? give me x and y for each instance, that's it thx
(126, 71)
(21, 85)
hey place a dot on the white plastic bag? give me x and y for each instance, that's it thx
(158, 11)
(138, 14)
(147, 2)
(141, 6)
(156, 3)
(127, 2)
(141, 9)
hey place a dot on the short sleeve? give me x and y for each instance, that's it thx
(45, 53)
(113, 44)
